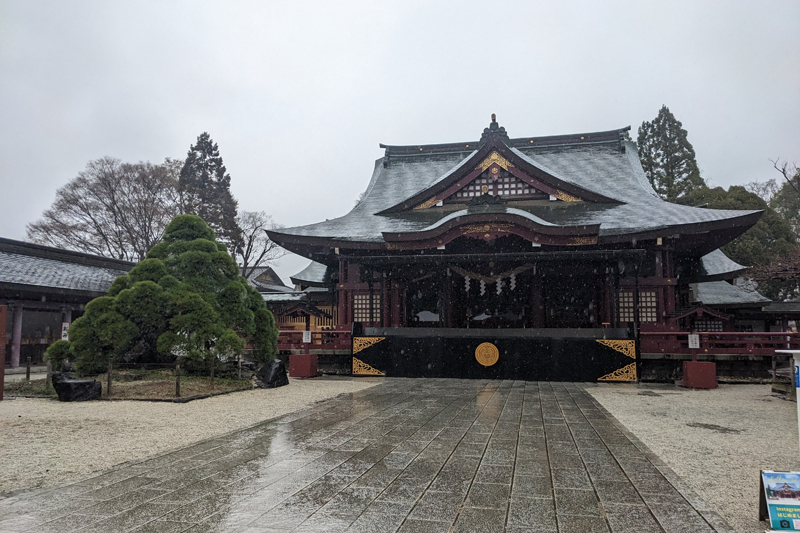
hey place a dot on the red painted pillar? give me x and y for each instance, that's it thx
(538, 301)
(16, 334)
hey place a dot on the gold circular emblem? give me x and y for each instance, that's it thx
(487, 354)
(484, 189)
(495, 170)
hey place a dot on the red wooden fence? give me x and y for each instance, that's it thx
(755, 343)
(320, 340)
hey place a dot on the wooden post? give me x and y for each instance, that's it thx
(110, 369)
(49, 381)
(28, 369)
(178, 377)
(239, 357)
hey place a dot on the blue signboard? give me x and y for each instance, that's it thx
(782, 498)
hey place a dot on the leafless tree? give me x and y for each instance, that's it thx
(763, 189)
(255, 248)
(112, 209)
(790, 172)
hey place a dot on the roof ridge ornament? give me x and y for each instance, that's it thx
(494, 130)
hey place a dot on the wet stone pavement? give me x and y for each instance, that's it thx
(409, 455)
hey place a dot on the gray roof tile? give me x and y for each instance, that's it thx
(723, 293)
(603, 169)
(23, 269)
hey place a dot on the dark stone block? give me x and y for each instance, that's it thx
(272, 375)
(76, 390)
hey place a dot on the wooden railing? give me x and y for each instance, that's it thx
(722, 343)
(320, 340)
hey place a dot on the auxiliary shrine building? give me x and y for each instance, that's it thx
(542, 258)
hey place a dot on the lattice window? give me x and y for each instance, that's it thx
(500, 184)
(704, 324)
(361, 307)
(648, 306)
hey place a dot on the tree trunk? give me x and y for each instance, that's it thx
(178, 378)
(212, 373)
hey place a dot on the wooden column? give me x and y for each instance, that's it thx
(608, 297)
(447, 300)
(397, 305)
(16, 334)
(3, 322)
(385, 309)
(538, 299)
(342, 295)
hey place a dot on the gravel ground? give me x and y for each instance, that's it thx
(45, 442)
(717, 441)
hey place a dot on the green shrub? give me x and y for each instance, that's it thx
(57, 353)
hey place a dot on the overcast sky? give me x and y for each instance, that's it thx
(299, 94)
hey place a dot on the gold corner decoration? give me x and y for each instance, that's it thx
(360, 368)
(625, 347)
(487, 354)
(565, 197)
(362, 343)
(494, 158)
(427, 203)
(626, 373)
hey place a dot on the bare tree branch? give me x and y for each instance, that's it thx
(112, 209)
(256, 249)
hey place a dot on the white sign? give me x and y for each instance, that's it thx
(306, 336)
(65, 331)
(694, 341)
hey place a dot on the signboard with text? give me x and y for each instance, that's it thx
(780, 500)
(306, 336)
(694, 341)
(65, 331)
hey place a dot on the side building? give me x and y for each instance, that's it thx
(44, 290)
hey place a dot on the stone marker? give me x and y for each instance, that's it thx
(76, 390)
(271, 375)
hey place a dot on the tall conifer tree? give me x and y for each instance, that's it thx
(205, 189)
(667, 156)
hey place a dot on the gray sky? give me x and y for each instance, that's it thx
(299, 94)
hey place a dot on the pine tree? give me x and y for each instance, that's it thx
(667, 156)
(185, 300)
(205, 189)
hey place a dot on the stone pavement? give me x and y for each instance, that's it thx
(409, 455)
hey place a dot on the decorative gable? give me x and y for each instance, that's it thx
(496, 180)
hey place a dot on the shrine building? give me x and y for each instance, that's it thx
(539, 258)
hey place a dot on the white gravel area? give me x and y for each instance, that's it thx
(43, 442)
(750, 429)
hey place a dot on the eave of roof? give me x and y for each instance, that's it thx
(312, 275)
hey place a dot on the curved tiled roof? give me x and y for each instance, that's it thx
(608, 167)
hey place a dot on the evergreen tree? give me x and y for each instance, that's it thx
(769, 240)
(787, 200)
(667, 156)
(205, 189)
(186, 299)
